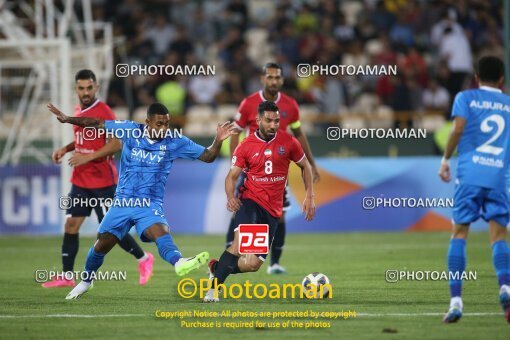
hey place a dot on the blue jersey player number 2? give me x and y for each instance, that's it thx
(481, 133)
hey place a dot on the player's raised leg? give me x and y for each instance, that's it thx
(231, 261)
(95, 258)
(501, 261)
(168, 250)
(127, 243)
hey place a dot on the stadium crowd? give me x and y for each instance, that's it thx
(433, 43)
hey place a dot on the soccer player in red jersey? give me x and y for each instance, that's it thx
(94, 176)
(265, 156)
(246, 119)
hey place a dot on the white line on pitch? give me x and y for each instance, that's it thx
(142, 315)
(422, 314)
(71, 316)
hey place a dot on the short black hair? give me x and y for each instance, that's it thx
(267, 106)
(84, 75)
(271, 65)
(156, 109)
(490, 69)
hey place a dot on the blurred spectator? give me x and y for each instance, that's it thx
(172, 94)
(243, 66)
(442, 73)
(382, 18)
(181, 44)
(145, 94)
(436, 97)
(330, 94)
(355, 55)
(387, 55)
(288, 44)
(310, 45)
(232, 91)
(238, 13)
(407, 97)
(373, 32)
(402, 33)
(401, 98)
(492, 48)
(344, 32)
(181, 11)
(414, 65)
(229, 44)
(455, 49)
(203, 89)
(448, 19)
(328, 8)
(385, 88)
(306, 20)
(214, 13)
(201, 28)
(415, 94)
(160, 34)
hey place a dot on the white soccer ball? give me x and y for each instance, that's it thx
(314, 285)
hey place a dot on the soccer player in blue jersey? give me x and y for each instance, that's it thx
(481, 129)
(144, 168)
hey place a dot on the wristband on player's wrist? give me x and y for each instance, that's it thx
(445, 161)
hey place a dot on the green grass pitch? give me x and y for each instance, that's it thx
(355, 263)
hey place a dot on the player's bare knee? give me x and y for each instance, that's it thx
(105, 242)
(72, 225)
(460, 231)
(497, 232)
(254, 264)
(233, 249)
(155, 231)
(100, 247)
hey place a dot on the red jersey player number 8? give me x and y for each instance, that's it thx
(268, 167)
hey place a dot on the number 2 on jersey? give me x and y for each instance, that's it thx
(484, 126)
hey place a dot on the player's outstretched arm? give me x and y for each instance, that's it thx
(301, 137)
(233, 203)
(453, 140)
(223, 131)
(78, 121)
(108, 149)
(308, 204)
